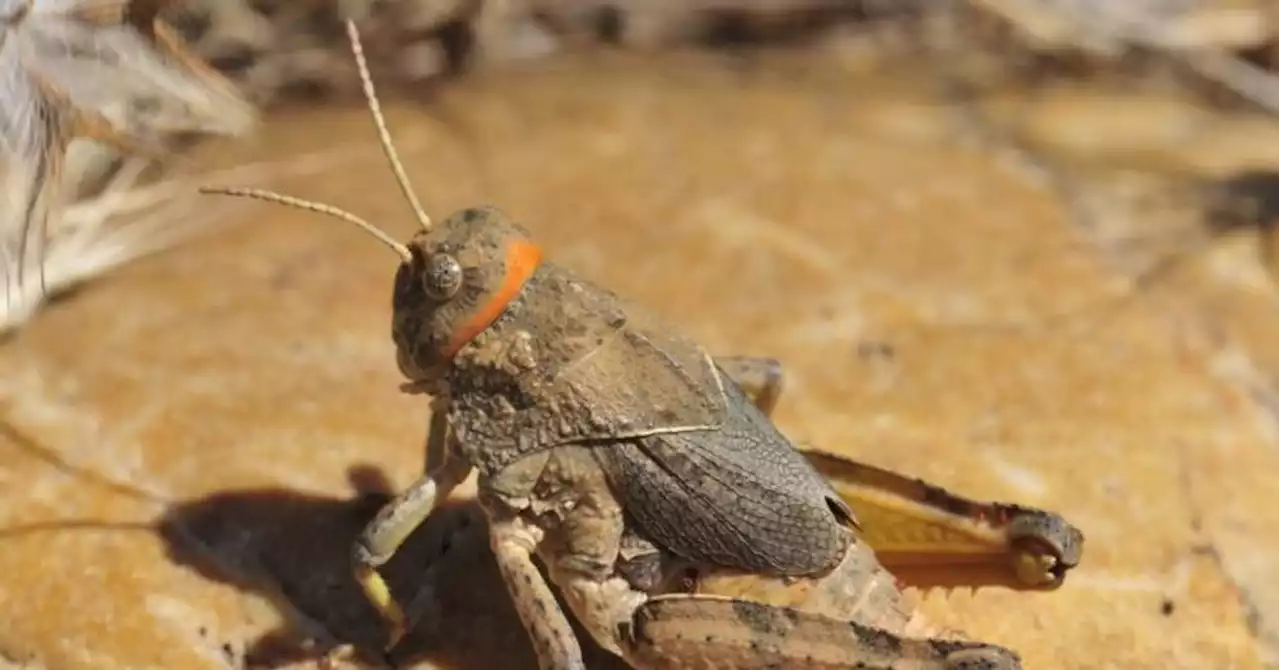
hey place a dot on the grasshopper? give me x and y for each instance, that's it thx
(618, 453)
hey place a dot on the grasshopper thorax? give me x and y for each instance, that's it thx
(460, 278)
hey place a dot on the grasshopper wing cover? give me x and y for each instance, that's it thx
(738, 496)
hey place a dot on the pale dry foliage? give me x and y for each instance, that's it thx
(101, 69)
(1200, 34)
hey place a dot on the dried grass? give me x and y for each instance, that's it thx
(1199, 36)
(102, 69)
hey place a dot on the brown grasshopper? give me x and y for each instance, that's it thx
(619, 453)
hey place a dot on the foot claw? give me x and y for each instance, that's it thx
(394, 636)
(346, 655)
(380, 597)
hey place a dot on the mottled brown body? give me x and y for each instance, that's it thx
(606, 441)
(620, 454)
(569, 363)
(575, 406)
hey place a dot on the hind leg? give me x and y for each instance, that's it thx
(924, 534)
(716, 633)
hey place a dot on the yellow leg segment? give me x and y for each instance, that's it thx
(379, 595)
(394, 523)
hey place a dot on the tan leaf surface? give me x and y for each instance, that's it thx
(246, 383)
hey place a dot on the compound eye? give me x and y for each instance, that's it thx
(443, 276)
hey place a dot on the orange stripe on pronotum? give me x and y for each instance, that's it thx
(523, 257)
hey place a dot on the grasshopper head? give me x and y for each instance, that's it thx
(458, 280)
(455, 278)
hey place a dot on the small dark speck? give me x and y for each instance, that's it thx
(191, 25)
(610, 24)
(202, 631)
(872, 350)
(235, 59)
(228, 651)
(1243, 200)
(1167, 607)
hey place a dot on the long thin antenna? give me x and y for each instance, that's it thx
(380, 123)
(279, 198)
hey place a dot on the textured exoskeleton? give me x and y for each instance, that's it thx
(604, 437)
(854, 616)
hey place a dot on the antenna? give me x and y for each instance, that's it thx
(384, 137)
(388, 150)
(281, 199)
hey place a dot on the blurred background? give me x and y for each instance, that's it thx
(1025, 249)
